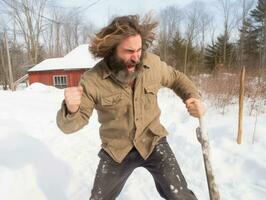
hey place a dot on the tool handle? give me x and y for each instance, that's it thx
(203, 139)
(203, 128)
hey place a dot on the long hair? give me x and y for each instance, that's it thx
(104, 43)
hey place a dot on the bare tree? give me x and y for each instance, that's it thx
(52, 34)
(193, 13)
(28, 16)
(71, 27)
(65, 31)
(3, 72)
(230, 18)
(205, 22)
(170, 18)
(86, 31)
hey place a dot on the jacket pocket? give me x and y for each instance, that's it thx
(112, 107)
(151, 89)
(111, 100)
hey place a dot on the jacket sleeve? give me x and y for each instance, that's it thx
(72, 122)
(177, 81)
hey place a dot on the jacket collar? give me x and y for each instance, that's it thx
(106, 72)
(146, 63)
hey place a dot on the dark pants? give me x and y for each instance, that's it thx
(169, 180)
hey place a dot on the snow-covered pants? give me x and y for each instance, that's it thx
(169, 180)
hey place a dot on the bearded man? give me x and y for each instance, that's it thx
(123, 88)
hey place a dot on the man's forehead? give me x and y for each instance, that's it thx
(132, 47)
(132, 40)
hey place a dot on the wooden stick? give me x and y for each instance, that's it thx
(253, 139)
(202, 137)
(241, 105)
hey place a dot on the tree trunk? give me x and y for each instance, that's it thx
(185, 59)
(3, 69)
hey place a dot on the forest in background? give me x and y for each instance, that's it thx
(195, 39)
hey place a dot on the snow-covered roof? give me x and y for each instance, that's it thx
(78, 58)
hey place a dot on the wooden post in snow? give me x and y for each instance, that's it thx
(241, 105)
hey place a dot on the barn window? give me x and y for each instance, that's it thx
(60, 81)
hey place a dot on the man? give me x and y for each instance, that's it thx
(123, 88)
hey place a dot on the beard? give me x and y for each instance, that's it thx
(119, 69)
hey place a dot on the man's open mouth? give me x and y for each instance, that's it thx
(131, 68)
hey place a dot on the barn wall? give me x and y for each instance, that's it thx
(46, 77)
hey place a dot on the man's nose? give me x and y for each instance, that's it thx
(135, 57)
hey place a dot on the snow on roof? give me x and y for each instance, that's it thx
(49, 64)
(78, 58)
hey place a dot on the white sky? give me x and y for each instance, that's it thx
(105, 9)
(101, 12)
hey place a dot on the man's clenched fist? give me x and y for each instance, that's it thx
(195, 107)
(73, 98)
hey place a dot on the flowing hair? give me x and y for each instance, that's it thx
(103, 44)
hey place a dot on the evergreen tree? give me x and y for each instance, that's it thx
(250, 44)
(214, 53)
(177, 49)
(259, 18)
(177, 53)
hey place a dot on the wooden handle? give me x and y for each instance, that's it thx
(203, 139)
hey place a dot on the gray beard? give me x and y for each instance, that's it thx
(125, 77)
(120, 72)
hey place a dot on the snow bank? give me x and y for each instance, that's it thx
(37, 161)
(39, 87)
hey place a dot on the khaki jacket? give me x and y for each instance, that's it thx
(128, 118)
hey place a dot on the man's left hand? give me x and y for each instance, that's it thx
(195, 107)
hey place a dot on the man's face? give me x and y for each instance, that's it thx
(129, 50)
(126, 62)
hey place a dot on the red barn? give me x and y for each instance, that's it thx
(63, 72)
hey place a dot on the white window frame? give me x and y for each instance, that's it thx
(60, 83)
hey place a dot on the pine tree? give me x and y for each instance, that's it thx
(250, 44)
(259, 17)
(177, 53)
(211, 56)
(214, 53)
(177, 49)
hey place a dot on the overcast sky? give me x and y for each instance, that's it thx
(104, 9)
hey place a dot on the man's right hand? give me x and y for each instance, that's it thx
(73, 98)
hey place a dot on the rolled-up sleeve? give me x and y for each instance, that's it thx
(72, 122)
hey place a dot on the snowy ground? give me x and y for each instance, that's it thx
(38, 162)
